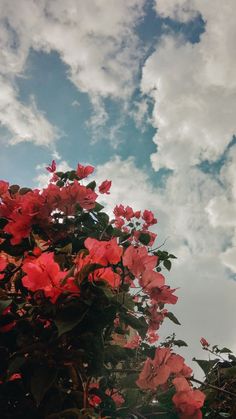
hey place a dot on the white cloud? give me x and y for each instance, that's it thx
(95, 39)
(194, 91)
(25, 123)
(206, 294)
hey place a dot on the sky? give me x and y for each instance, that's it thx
(145, 90)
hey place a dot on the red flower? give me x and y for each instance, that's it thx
(3, 187)
(138, 260)
(163, 295)
(157, 371)
(44, 274)
(84, 171)
(187, 401)
(52, 167)
(3, 265)
(148, 217)
(204, 342)
(19, 227)
(105, 187)
(103, 252)
(107, 275)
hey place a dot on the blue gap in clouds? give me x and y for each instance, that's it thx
(152, 27)
(46, 80)
(214, 167)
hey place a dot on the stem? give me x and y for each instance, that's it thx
(212, 386)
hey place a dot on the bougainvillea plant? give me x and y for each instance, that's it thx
(82, 296)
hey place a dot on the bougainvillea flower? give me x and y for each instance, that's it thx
(138, 260)
(105, 187)
(157, 371)
(204, 342)
(156, 316)
(52, 167)
(119, 211)
(116, 396)
(149, 218)
(134, 342)
(19, 227)
(74, 194)
(103, 252)
(107, 275)
(187, 401)
(84, 171)
(151, 279)
(3, 187)
(3, 265)
(44, 274)
(163, 295)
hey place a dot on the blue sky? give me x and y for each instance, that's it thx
(145, 91)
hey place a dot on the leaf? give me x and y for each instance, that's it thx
(129, 381)
(144, 238)
(138, 323)
(4, 304)
(91, 185)
(14, 189)
(180, 343)
(98, 207)
(132, 395)
(66, 325)
(125, 300)
(66, 249)
(225, 351)
(172, 317)
(23, 191)
(206, 366)
(41, 380)
(167, 264)
(228, 372)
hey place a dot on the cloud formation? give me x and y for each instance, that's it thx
(95, 39)
(193, 87)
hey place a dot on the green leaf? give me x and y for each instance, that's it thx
(228, 372)
(137, 323)
(66, 325)
(91, 185)
(129, 381)
(125, 300)
(24, 191)
(132, 395)
(206, 366)
(144, 238)
(4, 304)
(41, 380)
(167, 264)
(179, 343)
(172, 317)
(225, 351)
(14, 189)
(98, 207)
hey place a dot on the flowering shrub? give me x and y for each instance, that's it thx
(82, 297)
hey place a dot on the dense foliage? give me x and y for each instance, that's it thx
(82, 297)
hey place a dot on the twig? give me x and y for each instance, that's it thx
(212, 386)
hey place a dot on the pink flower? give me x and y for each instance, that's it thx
(105, 187)
(84, 171)
(204, 342)
(52, 167)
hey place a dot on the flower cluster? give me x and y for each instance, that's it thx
(81, 300)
